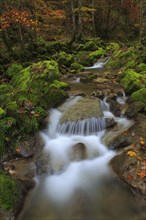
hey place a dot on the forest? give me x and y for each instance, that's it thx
(70, 69)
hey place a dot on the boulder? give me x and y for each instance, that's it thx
(79, 152)
(85, 108)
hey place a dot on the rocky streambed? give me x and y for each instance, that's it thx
(129, 143)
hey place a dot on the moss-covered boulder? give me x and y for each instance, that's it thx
(87, 58)
(133, 81)
(121, 57)
(139, 95)
(141, 68)
(37, 76)
(112, 47)
(90, 46)
(76, 67)
(54, 97)
(65, 59)
(83, 58)
(59, 85)
(93, 56)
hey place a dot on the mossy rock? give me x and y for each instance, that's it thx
(37, 76)
(90, 46)
(130, 64)
(121, 57)
(53, 97)
(14, 69)
(9, 191)
(139, 95)
(65, 59)
(112, 47)
(76, 67)
(59, 85)
(93, 56)
(83, 58)
(133, 81)
(141, 68)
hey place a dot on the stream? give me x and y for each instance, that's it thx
(74, 188)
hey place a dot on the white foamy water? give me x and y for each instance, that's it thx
(71, 182)
(99, 64)
(69, 176)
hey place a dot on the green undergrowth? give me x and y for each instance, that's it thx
(9, 190)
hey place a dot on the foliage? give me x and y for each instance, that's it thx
(8, 191)
(139, 95)
(14, 69)
(133, 81)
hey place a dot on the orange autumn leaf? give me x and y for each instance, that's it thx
(141, 173)
(131, 153)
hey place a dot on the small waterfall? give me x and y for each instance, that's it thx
(121, 99)
(70, 180)
(99, 64)
(84, 127)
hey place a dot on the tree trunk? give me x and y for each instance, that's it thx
(93, 17)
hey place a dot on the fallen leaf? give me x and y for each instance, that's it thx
(12, 172)
(141, 173)
(131, 153)
(130, 177)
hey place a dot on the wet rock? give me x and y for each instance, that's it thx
(29, 146)
(43, 165)
(134, 108)
(79, 152)
(130, 169)
(83, 109)
(76, 93)
(110, 122)
(114, 107)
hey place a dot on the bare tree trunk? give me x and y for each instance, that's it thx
(108, 18)
(80, 27)
(143, 34)
(73, 15)
(93, 16)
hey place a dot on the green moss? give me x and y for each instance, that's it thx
(130, 64)
(93, 56)
(121, 57)
(90, 46)
(8, 192)
(37, 76)
(65, 59)
(54, 97)
(139, 95)
(5, 91)
(59, 85)
(12, 107)
(2, 112)
(141, 67)
(14, 69)
(83, 58)
(132, 81)
(76, 67)
(112, 47)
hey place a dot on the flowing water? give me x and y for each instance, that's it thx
(78, 189)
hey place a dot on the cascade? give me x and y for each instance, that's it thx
(58, 190)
